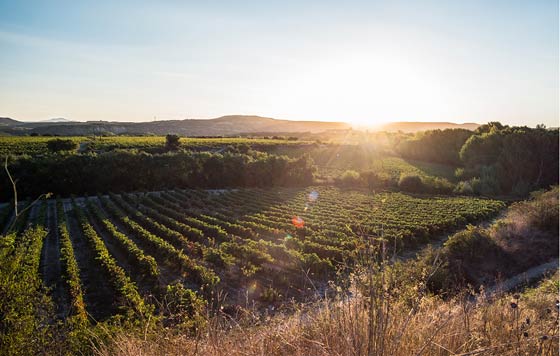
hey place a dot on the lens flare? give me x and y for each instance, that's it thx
(252, 288)
(312, 197)
(297, 222)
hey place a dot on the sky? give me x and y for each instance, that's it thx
(364, 62)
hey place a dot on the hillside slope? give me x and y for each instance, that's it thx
(222, 126)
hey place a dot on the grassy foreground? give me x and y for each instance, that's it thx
(514, 324)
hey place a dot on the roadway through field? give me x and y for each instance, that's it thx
(523, 278)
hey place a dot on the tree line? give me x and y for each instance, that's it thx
(441, 146)
(494, 159)
(121, 171)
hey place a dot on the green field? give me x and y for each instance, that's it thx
(37, 145)
(393, 167)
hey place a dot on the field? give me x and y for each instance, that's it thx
(191, 240)
(111, 255)
(390, 166)
(335, 158)
(37, 145)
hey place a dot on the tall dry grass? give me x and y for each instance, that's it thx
(385, 324)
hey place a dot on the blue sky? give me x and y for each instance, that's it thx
(358, 61)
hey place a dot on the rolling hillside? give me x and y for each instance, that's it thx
(222, 126)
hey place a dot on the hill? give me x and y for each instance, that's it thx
(6, 121)
(222, 126)
(56, 119)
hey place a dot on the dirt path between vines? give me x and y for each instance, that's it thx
(166, 275)
(118, 254)
(51, 269)
(99, 297)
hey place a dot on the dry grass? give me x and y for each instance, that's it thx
(529, 230)
(462, 326)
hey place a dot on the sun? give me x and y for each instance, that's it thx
(370, 90)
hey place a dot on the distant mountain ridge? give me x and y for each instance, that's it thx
(6, 121)
(56, 119)
(222, 126)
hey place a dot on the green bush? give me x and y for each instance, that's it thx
(373, 180)
(349, 179)
(437, 185)
(184, 307)
(411, 183)
(58, 145)
(172, 142)
(469, 244)
(270, 295)
(463, 188)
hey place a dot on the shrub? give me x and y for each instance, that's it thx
(525, 237)
(463, 188)
(411, 183)
(469, 244)
(185, 307)
(270, 295)
(374, 180)
(485, 186)
(172, 142)
(349, 179)
(437, 185)
(58, 145)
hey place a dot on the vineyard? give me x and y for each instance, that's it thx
(37, 145)
(121, 255)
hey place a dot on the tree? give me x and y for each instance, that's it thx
(440, 146)
(172, 142)
(511, 159)
(58, 145)
(411, 183)
(18, 213)
(349, 179)
(492, 126)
